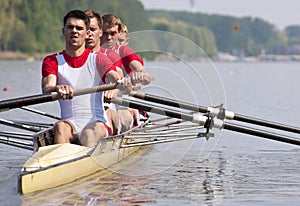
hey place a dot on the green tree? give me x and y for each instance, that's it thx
(9, 21)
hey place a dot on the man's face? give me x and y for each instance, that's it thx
(123, 39)
(93, 39)
(110, 37)
(75, 32)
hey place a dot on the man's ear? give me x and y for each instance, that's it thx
(88, 33)
(127, 40)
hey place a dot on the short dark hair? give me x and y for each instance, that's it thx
(77, 14)
(94, 14)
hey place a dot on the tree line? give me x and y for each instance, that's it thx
(34, 26)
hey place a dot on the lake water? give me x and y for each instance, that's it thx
(232, 169)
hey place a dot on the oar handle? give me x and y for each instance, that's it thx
(100, 88)
(42, 98)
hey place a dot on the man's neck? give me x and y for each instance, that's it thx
(96, 48)
(74, 52)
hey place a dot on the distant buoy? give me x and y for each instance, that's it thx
(6, 89)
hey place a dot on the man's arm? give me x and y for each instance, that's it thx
(49, 85)
(139, 73)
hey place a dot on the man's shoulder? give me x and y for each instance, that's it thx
(125, 50)
(51, 57)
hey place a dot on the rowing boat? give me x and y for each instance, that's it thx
(53, 165)
(57, 164)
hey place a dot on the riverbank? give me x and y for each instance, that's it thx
(16, 55)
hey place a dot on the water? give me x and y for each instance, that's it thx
(241, 169)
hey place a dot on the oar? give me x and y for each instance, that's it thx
(228, 114)
(14, 143)
(42, 98)
(18, 125)
(40, 112)
(204, 120)
(196, 118)
(35, 124)
(16, 139)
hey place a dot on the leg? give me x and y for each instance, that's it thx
(109, 118)
(64, 132)
(126, 118)
(115, 122)
(92, 133)
(136, 117)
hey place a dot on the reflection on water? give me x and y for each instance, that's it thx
(102, 188)
(187, 182)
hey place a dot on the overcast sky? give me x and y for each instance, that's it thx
(280, 13)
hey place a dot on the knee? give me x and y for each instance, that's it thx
(62, 132)
(60, 126)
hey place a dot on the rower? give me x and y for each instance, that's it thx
(93, 43)
(123, 38)
(133, 65)
(84, 120)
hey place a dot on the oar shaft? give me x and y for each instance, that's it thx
(261, 133)
(18, 125)
(24, 101)
(40, 112)
(228, 114)
(22, 145)
(42, 98)
(261, 122)
(189, 117)
(161, 111)
(169, 102)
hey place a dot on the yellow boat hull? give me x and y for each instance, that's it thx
(55, 165)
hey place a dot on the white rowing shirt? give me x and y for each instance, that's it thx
(84, 108)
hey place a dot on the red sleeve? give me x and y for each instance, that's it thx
(128, 55)
(104, 65)
(49, 65)
(115, 58)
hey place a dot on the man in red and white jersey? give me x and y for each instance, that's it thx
(133, 64)
(123, 39)
(93, 43)
(83, 117)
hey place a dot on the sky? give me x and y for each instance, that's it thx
(280, 13)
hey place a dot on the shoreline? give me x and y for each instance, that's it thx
(16, 55)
